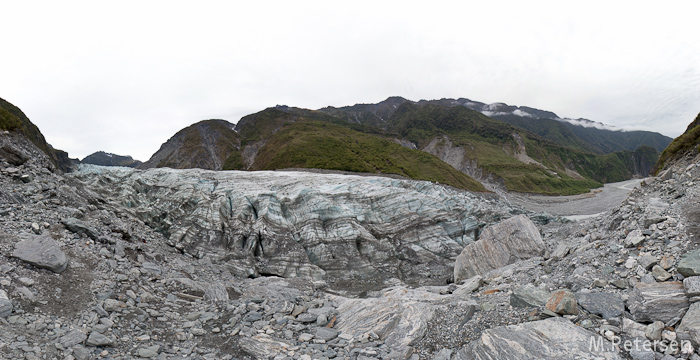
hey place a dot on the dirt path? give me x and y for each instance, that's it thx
(580, 206)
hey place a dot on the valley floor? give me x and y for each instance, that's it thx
(595, 202)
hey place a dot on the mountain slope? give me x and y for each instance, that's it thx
(208, 144)
(275, 139)
(319, 145)
(580, 134)
(106, 159)
(453, 141)
(524, 161)
(598, 137)
(13, 119)
(688, 144)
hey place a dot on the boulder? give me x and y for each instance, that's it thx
(399, 316)
(74, 337)
(263, 346)
(505, 243)
(634, 238)
(664, 301)
(607, 305)
(79, 227)
(529, 296)
(653, 330)
(326, 334)
(647, 261)
(650, 220)
(469, 286)
(41, 251)
(690, 325)
(5, 304)
(633, 329)
(692, 288)
(554, 338)
(149, 351)
(563, 302)
(97, 339)
(689, 265)
(660, 274)
(216, 293)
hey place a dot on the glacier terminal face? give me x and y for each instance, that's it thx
(329, 227)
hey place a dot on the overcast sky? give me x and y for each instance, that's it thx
(125, 76)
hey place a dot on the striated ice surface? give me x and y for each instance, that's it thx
(290, 223)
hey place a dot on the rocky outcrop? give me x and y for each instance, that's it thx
(499, 245)
(456, 156)
(296, 224)
(554, 338)
(41, 251)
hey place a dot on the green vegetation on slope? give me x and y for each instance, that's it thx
(363, 141)
(8, 122)
(494, 146)
(688, 141)
(320, 145)
(550, 129)
(587, 139)
(13, 119)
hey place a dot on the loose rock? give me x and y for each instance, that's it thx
(41, 251)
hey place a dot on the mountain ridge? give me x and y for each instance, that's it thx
(14, 120)
(364, 138)
(108, 159)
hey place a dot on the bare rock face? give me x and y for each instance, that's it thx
(299, 224)
(41, 251)
(509, 241)
(554, 338)
(665, 302)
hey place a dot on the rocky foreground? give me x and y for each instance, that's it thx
(121, 263)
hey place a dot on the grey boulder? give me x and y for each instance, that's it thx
(72, 338)
(529, 296)
(607, 305)
(690, 264)
(469, 286)
(79, 227)
(692, 287)
(41, 251)
(97, 339)
(505, 243)
(5, 304)
(554, 338)
(690, 325)
(664, 301)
